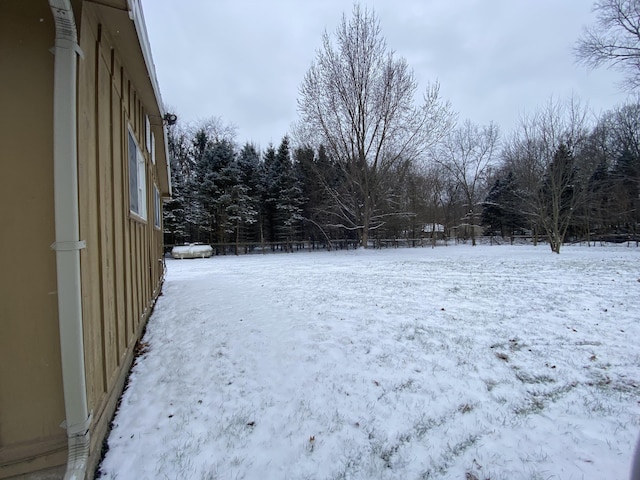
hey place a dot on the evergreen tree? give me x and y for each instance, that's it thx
(319, 179)
(201, 188)
(239, 205)
(231, 197)
(288, 193)
(501, 209)
(304, 166)
(269, 196)
(214, 180)
(248, 199)
(175, 210)
(492, 213)
(175, 225)
(598, 200)
(626, 180)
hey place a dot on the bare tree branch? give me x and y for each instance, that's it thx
(614, 40)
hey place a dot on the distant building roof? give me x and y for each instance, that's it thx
(433, 228)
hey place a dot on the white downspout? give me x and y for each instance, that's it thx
(67, 245)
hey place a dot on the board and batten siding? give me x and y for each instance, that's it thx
(31, 396)
(122, 266)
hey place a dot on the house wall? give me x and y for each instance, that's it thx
(121, 265)
(31, 399)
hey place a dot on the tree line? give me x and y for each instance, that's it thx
(370, 163)
(554, 178)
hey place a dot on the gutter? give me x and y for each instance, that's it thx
(67, 245)
(137, 17)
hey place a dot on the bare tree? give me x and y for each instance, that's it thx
(217, 130)
(357, 99)
(559, 196)
(614, 40)
(541, 155)
(468, 153)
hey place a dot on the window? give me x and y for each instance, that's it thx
(137, 180)
(157, 212)
(153, 148)
(147, 133)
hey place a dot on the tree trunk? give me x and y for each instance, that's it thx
(262, 238)
(364, 238)
(237, 237)
(366, 223)
(473, 235)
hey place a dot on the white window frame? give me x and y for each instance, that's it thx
(157, 208)
(137, 178)
(153, 148)
(147, 133)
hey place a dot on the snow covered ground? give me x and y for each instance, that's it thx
(459, 362)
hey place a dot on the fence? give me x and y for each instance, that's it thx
(246, 248)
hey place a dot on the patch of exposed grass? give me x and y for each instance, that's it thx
(528, 378)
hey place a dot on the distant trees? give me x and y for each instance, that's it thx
(557, 177)
(357, 100)
(467, 153)
(502, 212)
(621, 182)
(370, 165)
(566, 177)
(615, 39)
(222, 195)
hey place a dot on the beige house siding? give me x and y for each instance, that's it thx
(121, 266)
(31, 399)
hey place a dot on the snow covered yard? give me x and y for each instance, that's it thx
(448, 363)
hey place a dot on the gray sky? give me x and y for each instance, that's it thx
(244, 60)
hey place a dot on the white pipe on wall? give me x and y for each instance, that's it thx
(67, 245)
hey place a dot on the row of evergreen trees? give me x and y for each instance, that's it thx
(233, 196)
(221, 195)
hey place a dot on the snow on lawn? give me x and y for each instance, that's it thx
(451, 363)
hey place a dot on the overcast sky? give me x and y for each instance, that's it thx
(244, 60)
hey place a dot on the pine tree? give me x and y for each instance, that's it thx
(239, 208)
(175, 210)
(492, 213)
(304, 163)
(214, 181)
(289, 196)
(626, 179)
(501, 211)
(245, 194)
(269, 196)
(598, 199)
